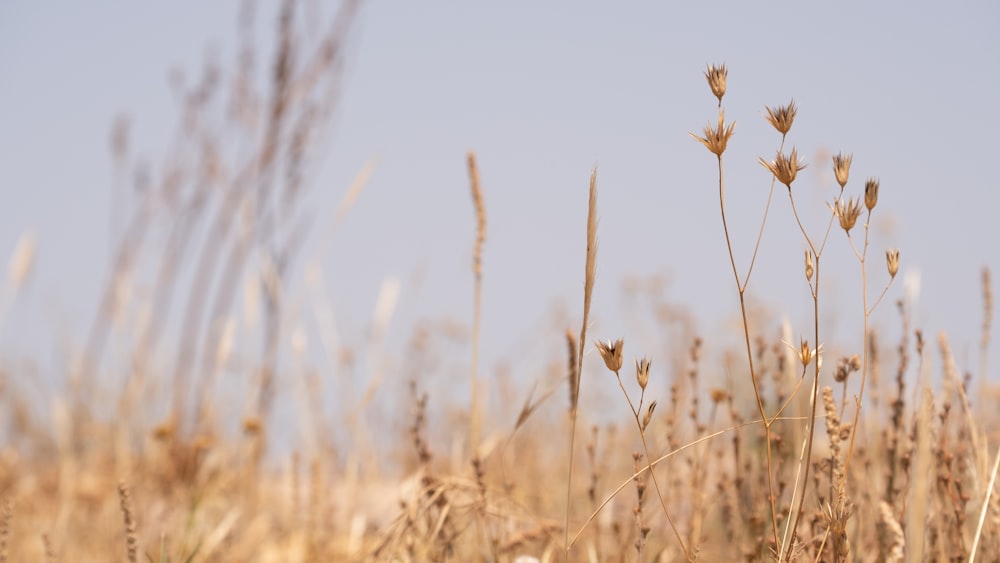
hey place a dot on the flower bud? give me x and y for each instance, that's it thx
(871, 193)
(716, 76)
(842, 168)
(642, 372)
(892, 261)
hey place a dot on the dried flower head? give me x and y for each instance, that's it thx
(649, 415)
(892, 261)
(842, 372)
(782, 117)
(845, 367)
(716, 76)
(847, 212)
(871, 193)
(805, 352)
(842, 167)
(809, 265)
(611, 352)
(716, 138)
(784, 168)
(855, 362)
(642, 372)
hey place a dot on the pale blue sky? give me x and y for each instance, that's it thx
(542, 91)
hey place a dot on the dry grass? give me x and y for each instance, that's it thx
(154, 462)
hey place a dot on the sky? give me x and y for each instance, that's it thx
(543, 92)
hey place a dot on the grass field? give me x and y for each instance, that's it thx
(792, 447)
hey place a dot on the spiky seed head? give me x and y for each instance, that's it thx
(611, 352)
(892, 261)
(842, 167)
(784, 168)
(716, 76)
(642, 372)
(805, 352)
(716, 138)
(649, 415)
(847, 212)
(871, 193)
(809, 265)
(781, 118)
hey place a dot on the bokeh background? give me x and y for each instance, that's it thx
(543, 92)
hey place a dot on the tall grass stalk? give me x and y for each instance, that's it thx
(589, 276)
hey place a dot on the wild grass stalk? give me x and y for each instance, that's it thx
(589, 277)
(475, 414)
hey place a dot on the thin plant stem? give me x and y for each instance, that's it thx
(741, 288)
(763, 221)
(796, 510)
(645, 449)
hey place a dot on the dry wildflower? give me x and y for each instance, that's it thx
(855, 362)
(611, 352)
(716, 76)
(642, 372)
(809, 265)
(716, 138)
(842, 167)
(784, 168)
(847, 212)
(781, 118)
(871, 193)
(805, 352)
(845, 367)
(649, 415)
(892, 261)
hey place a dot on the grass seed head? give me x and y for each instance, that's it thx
(717, 138)
(871, 193)
(611, 352)
(784, 168)
(809, 265)
(781, 118)
(842, 167)
(716, 76)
